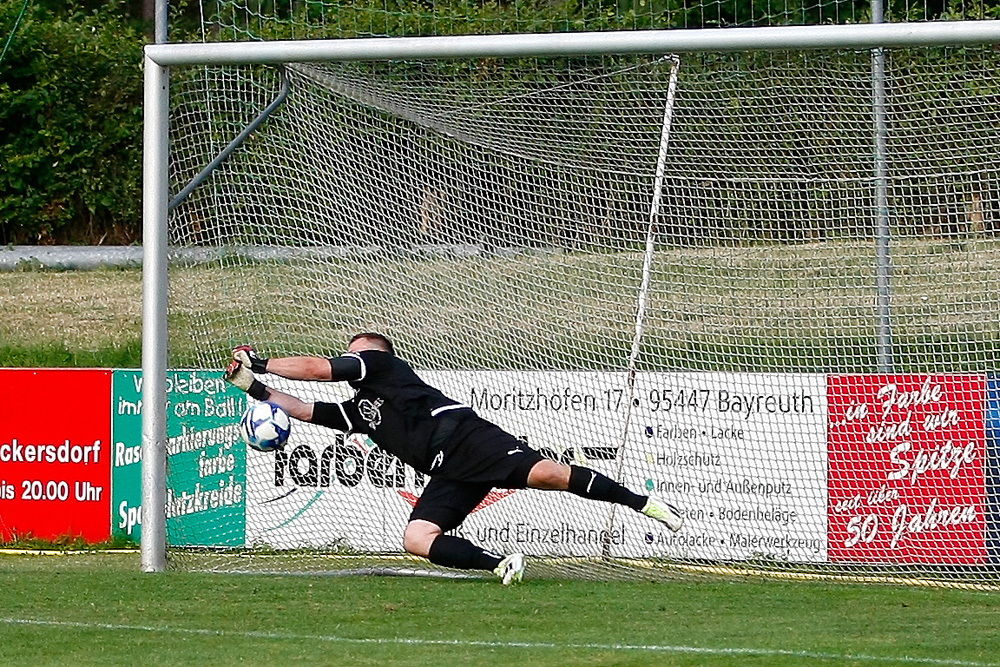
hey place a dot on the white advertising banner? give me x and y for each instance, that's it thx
(575, 417)
(742, 455)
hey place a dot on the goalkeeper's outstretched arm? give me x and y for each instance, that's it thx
(331, 415)
(239, 375)
(293, 368)
(319, 369)
(293, 406)
(301, 368)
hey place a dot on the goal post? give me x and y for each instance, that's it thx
(677, 241)
(155, 179)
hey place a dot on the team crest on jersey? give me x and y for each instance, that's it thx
(371, 412)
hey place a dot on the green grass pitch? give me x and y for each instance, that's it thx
(99, 609)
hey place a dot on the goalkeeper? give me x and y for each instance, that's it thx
(464, 455)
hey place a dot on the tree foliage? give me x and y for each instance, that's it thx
(70, 127)
(71, 80)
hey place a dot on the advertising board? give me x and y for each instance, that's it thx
(206, 459)
(55, 456)
(742, 455)
(907, 464)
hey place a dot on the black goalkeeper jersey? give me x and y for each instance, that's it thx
(401, 413)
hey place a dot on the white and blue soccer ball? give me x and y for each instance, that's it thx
(265, 427)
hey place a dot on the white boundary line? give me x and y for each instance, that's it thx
(404, 641)
(64, 552)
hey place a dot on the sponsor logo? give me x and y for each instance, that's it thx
(343, 463)
(371, 412)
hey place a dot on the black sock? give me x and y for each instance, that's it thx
(451, 551)
(591, 484)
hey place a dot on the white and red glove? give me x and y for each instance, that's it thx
(247, 356)
(239, 372)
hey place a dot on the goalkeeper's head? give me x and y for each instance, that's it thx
(369, 340)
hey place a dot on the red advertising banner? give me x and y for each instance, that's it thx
(907, 468)
(55, 454)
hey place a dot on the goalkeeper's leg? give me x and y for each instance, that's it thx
(443, 505)
(424, 538)
(590, 484)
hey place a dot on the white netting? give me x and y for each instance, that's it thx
(314, 19)
(492, 218)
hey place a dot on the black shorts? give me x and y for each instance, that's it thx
(480, 452)
(479, 457)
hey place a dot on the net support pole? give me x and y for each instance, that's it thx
(642, 298)
(882, 231)
(155, 185)
(210, 168)
(654, 212)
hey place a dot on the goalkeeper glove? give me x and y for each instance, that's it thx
(240, 376)
(248, 357)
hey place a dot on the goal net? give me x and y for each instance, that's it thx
(722, 331)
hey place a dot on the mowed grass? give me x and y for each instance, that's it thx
(99, 609)
(810, 307)
(73, 319)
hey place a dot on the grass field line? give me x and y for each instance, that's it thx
(467, 643)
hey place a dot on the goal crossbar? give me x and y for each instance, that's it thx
(862, 36)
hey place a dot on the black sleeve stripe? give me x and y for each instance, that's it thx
(347, 367)
(364, 369)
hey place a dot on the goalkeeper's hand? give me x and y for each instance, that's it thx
(249, 359)
(240, 376)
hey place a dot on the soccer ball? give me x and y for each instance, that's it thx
(265, 427)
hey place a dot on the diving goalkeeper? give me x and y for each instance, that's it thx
(464, 455)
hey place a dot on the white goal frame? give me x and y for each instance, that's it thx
(160, 57)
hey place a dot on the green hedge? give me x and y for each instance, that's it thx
(71, 88)
(70, 128)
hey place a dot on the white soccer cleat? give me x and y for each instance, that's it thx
(663, 512)
(511, 569)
